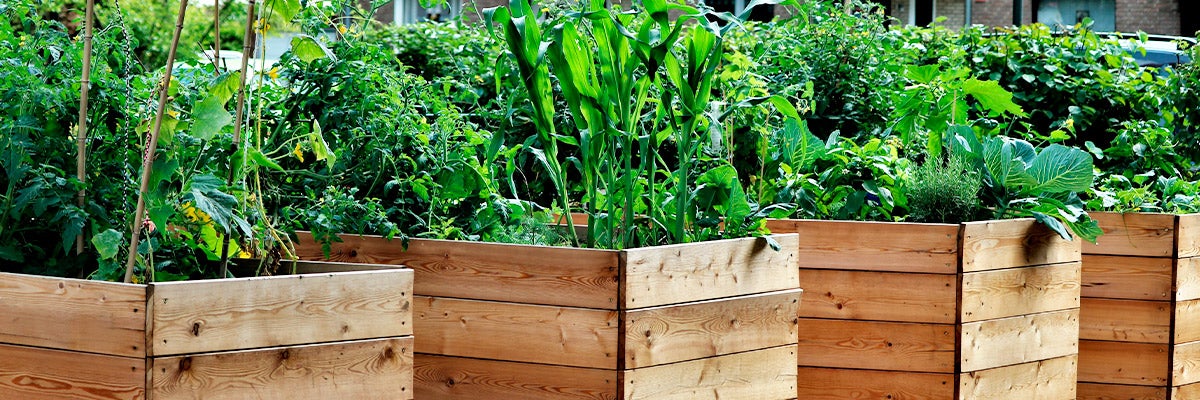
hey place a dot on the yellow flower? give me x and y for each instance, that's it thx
(298, 152)
(262, 26)
(173, 113)
(341, 29)
(273, 73)
(195, 215)
(1070, 124)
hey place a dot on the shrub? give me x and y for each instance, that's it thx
(943, 192)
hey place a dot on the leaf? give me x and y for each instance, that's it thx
(800, 148)
(108, 243)
(1059, 168)
(11, 253)
(784, 106)
(309, 50)
(203, 191)
(992, 96)
(209, 117)
(1054, 225)
(261, 159)
(316, 139)
(286, 9)
(225, 87)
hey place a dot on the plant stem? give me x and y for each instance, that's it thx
(139, 216)
(217, 37)
(239, 114)
(81, 135)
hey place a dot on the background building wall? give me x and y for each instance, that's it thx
(1151, 16)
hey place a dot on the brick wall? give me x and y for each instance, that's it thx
(1151, 16)
(955, 12)
(999, 12)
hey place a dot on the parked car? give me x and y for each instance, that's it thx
(1155, 51)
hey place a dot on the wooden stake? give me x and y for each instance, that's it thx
(247, 52)
(81, 126)
(139, 217)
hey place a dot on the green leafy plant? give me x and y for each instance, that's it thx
(943, 192)
(1022, 181)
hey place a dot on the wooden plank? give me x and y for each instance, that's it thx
(1187, 238)
(1019, 340)
(1122, 277)
(1186, 392)
(876, 246)
(29, 373)
(877, 345)
(1048, 379)
(560, 276)
(455, 378)
(662, 275)
(1187, 321)
(73, 314)
(767, 374)
(577, 337)
(1134, 234)
(1019, 291)
(279, 311)
(991, 245)
(1186, 368)
(879, 296)
(690, 331)
(1124, 363)
(838, 384)
(367, 369)
(1187, 279)
(1125, 320)
(1103, 391)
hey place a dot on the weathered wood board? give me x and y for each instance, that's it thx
(1140, 320)
(311, 336)
(981, 310)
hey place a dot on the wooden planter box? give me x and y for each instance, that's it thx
(981, 310)
(323, 336)
(713, 320)
(1140, 321)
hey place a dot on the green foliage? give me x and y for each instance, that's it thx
(944, 192)
(1022, 181)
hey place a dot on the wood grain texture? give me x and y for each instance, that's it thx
(367, 369)
(1019, 291)
(73, 314)
(1124, 363)
(1187, 321)
(876, 246)
(663, 275)
(1187, 279)
(517, 332)
(992, 245)
(29, 373)
(1052, 379)
(879, 296)
(1125, 320)
(279, 311)
(560, 276)
(877, 345)
(1019, 340)
(1186, 368)
(1187, 238)
(1102, 391)
(816, 383)
(1186, 392)
(455, 378)
(1124, 277)
(691, 331)
(767, 374)
(1134, 234)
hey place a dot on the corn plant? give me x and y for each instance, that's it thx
(635, 82)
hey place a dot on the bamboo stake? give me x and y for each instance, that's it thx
(81, 135)
(247, 52)
(217, 37)
(139, 217)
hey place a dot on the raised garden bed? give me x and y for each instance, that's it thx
(980, 310)
(313, 336)
(1140, 321)
(695, 321)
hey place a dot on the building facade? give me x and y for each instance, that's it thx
(1163, 17)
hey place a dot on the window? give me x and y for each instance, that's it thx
(760, 13)
(1064, 13)
(410, 11)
